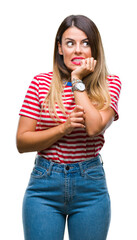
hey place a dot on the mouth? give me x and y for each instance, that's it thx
(77, 60)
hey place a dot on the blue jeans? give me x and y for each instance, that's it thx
(76, 192)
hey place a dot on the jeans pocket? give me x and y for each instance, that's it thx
(95, 173)
(38, 172)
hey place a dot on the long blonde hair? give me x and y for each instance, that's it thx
(96, 82)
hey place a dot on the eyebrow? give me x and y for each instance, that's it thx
(73, 39)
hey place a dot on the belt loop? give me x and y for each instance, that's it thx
(81, 169)
(50, 168)
(35, 159)
(101, 160)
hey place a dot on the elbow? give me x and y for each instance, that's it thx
(94, 132)
(94, 128)
(24, 147)
(20, 151)
(19, 148)
(19, 145)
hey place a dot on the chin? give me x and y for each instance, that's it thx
(74, 68)
(71, 68)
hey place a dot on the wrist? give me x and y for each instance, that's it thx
(78, 86)
(75, 80)
(62, 128)
(76, 76)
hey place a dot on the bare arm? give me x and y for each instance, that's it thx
(29, 140)
(95, 121)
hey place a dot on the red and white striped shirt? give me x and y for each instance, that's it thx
(74, 147)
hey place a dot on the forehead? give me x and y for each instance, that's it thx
(74, 33)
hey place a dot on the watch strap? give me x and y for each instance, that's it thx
(76, 81)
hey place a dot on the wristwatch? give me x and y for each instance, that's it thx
(79, 86)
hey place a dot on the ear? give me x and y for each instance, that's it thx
(60, 49)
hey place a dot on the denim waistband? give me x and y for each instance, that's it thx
(67, 167)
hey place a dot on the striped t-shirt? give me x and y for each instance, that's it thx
(74, 147)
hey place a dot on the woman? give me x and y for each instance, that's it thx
(63, 118)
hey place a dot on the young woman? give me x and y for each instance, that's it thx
(63, 118)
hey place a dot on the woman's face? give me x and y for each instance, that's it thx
(75, 47)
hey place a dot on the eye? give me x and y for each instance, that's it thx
(69, 43)
(85, 43)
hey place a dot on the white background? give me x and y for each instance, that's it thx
(27, 30)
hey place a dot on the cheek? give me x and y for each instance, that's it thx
(67, 55)
(88, 53)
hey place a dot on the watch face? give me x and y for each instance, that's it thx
(80, 86)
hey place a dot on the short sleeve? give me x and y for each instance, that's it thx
(114, 88)
(31, 106)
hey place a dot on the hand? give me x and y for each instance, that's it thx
(75, 119)
(87, 66)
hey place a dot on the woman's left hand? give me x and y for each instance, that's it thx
(87, 66)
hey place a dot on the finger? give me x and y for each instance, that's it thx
(78, 125)
(88, 62)
(77, 119)
(95, 62)
(84, 63)
(77, 114)
(92, 64)
(78, 108)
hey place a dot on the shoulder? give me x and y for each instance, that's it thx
(114, 79)
(43, 79)
(114, 82)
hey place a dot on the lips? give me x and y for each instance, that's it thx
(77, 60)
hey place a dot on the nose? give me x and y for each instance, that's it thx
(77, 48)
